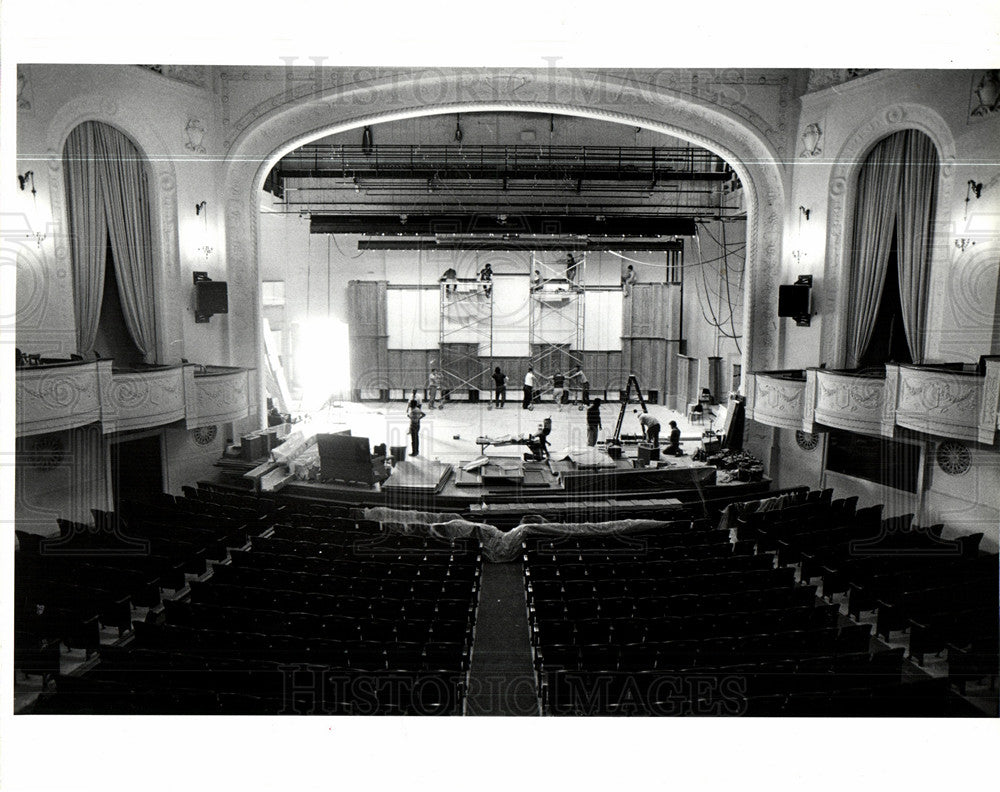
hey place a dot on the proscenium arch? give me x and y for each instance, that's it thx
(842, 200)
(299, 121)
(162, 186)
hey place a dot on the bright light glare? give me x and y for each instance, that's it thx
(323, 362)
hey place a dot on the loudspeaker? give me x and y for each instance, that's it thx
(210, 297)
(793, 300)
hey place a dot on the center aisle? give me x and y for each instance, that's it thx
(501, 679)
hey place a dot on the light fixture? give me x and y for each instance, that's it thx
(963, 243)
(38, 236)
(799, 253)
(458, 128)
(201, 210)
(367, 141)
(974, 188)
(29, 176)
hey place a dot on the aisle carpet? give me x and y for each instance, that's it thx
(502, 681)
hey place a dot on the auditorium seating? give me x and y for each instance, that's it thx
(676, 622)
(304, 607)
(317, 614)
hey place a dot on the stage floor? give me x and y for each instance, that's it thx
(449, 434)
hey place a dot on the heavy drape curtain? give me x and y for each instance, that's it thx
(108, 196)
(915, 215)
(896, 191)
(89, 232)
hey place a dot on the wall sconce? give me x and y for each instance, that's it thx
(798, 254)
(974, 188)
(963, 243)
(458, 128)
(29, 176)
(201, 209)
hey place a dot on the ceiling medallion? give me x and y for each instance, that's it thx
(205, 435)
(807, 441)
(954, 458)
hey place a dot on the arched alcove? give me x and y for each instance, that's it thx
(163, 210)
(842, 193)
(285, 126)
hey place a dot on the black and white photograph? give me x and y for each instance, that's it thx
(412, 410)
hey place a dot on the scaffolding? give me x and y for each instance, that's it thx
(557, 313)
(466, 333)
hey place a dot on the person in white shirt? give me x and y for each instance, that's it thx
(529, 389)
(432, 388)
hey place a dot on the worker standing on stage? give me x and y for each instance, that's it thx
(581, 379)
(432, 388)
(529, 388)
(414, 414)
(593, 422)
(499, 388)
(650, 428)
(674, 446)
(559, 389)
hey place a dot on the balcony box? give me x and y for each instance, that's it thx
(777, 398)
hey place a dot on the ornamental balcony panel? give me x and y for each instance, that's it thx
(852, 401)
(778, 399)
(949, 402)
(52, 397)
(142, 398)
(215, 394)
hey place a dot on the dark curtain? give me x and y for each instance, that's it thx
(108, 197)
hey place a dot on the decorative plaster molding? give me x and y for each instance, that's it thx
(812, 141)
(195, 131)
(989, 411)
(57, 398)
(843, 177)
(849, 402)
(142, 399)
(293, 118)
(778, 401)
(162, 188)
(23, 103)
(193, 75)
(215, 399)
(820, 79)
(984, 99)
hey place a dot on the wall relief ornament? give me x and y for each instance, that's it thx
(953, 457)
(195, 131)
(807, 441)
(985, 97)
(205, 435)
(812, 139)
(826, 78)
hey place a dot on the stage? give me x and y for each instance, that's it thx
(452, 473)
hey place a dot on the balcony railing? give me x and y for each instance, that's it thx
(777, 398)
(57, 396)
(957, 402)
